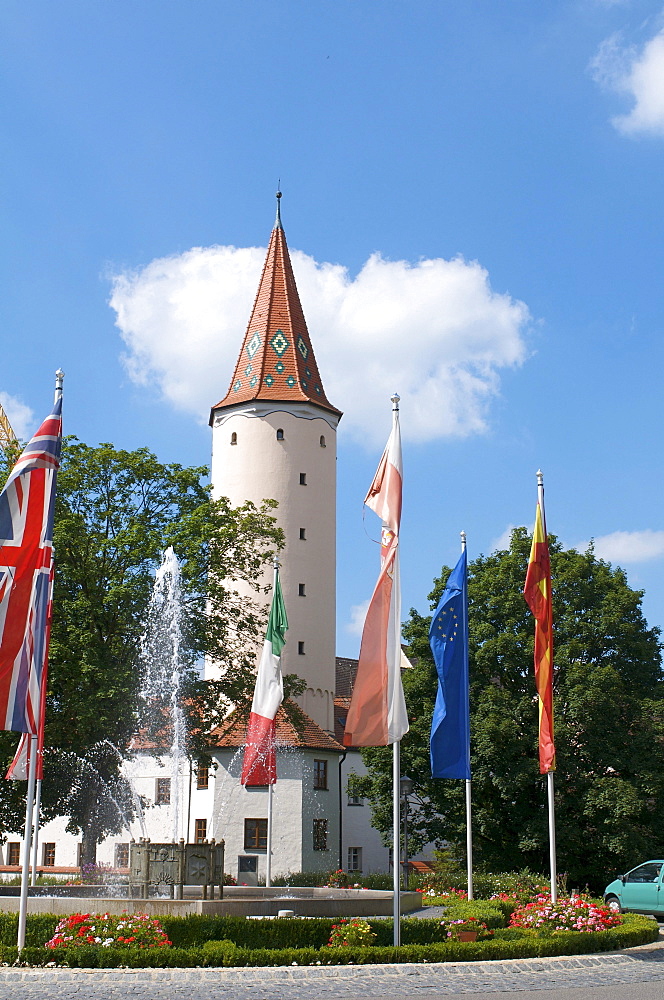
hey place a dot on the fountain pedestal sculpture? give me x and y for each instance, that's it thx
(175, 865)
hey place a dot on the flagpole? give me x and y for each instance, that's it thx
(396, 848)
(268, 859)
(396, 779)
(35, 841)
(549, 775)
(59, 378)
(469, 808)
(27, 837)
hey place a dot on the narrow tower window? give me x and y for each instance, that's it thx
(322, 441)
(280, 434)
(303, 534)
(300, 590)
(234, 438)
(303, 479)
(300, 648)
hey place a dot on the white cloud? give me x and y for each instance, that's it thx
(358, 613)
(639, 73)
(628, 546)
(433, 331)
(503, 541)
(20, 416)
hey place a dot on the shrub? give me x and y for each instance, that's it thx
(352, 933)
(506, 944)
(523, 885)
(338, 879)
(454, 928)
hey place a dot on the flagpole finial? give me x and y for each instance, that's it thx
(59, 377)
(395, 401)
(276, 562)
(540, 478)
(463, 540)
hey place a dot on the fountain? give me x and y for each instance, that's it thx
(189, 870)
(163, 674)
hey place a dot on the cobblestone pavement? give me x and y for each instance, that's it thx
(628, 968)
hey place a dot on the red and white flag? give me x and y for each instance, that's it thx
(377, 715)
(259, 766)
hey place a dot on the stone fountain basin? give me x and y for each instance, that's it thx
(238, 901)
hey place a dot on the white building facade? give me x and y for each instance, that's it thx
(273, 437)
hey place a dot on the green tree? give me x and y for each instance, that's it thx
(609, 723)
(116, 512)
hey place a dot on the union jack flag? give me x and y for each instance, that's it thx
(26, 565)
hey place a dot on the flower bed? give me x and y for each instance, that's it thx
(351, 933)
(136, 931)
(574, 913)
(235, 941)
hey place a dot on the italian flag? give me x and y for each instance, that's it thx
(260, 764)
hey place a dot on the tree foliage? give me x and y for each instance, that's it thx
(609, 723)
(116, 512)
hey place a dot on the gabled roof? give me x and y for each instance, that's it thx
(277, 360)
(298, 731)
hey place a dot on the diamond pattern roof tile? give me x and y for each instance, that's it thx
(277, 360)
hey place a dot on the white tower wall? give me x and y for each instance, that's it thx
(250, 462)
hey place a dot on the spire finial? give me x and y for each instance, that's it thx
(277, 221)
(59, 378)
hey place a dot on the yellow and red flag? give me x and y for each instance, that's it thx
(537, 592)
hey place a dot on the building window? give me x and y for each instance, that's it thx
(122, 855)
(163, 792)
(14, 853)
(354, 859)
(353, 798)
(300, 590)
(48, 855)
(200, 830)
(303, 479)
(320, 835)
(255, 834)
(322, 440)
(202, 776)
(303, 534)
(280, 434)
(234, 438)
(300, 648)
(320, 774)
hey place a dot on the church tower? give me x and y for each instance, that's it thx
(274, 437)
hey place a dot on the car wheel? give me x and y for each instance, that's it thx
(613, 903)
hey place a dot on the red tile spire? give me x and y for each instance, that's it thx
(277, 360)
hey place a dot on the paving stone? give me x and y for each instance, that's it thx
(330, 982)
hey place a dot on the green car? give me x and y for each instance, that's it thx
(640, 890)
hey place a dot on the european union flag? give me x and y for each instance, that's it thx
(448, 636)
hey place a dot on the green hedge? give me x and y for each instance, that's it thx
(507, 944)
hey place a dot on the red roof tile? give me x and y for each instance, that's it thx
(277, 359)
(297, 731)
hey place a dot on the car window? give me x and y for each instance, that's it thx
(645, 873)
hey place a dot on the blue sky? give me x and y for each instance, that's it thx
(472, 196)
